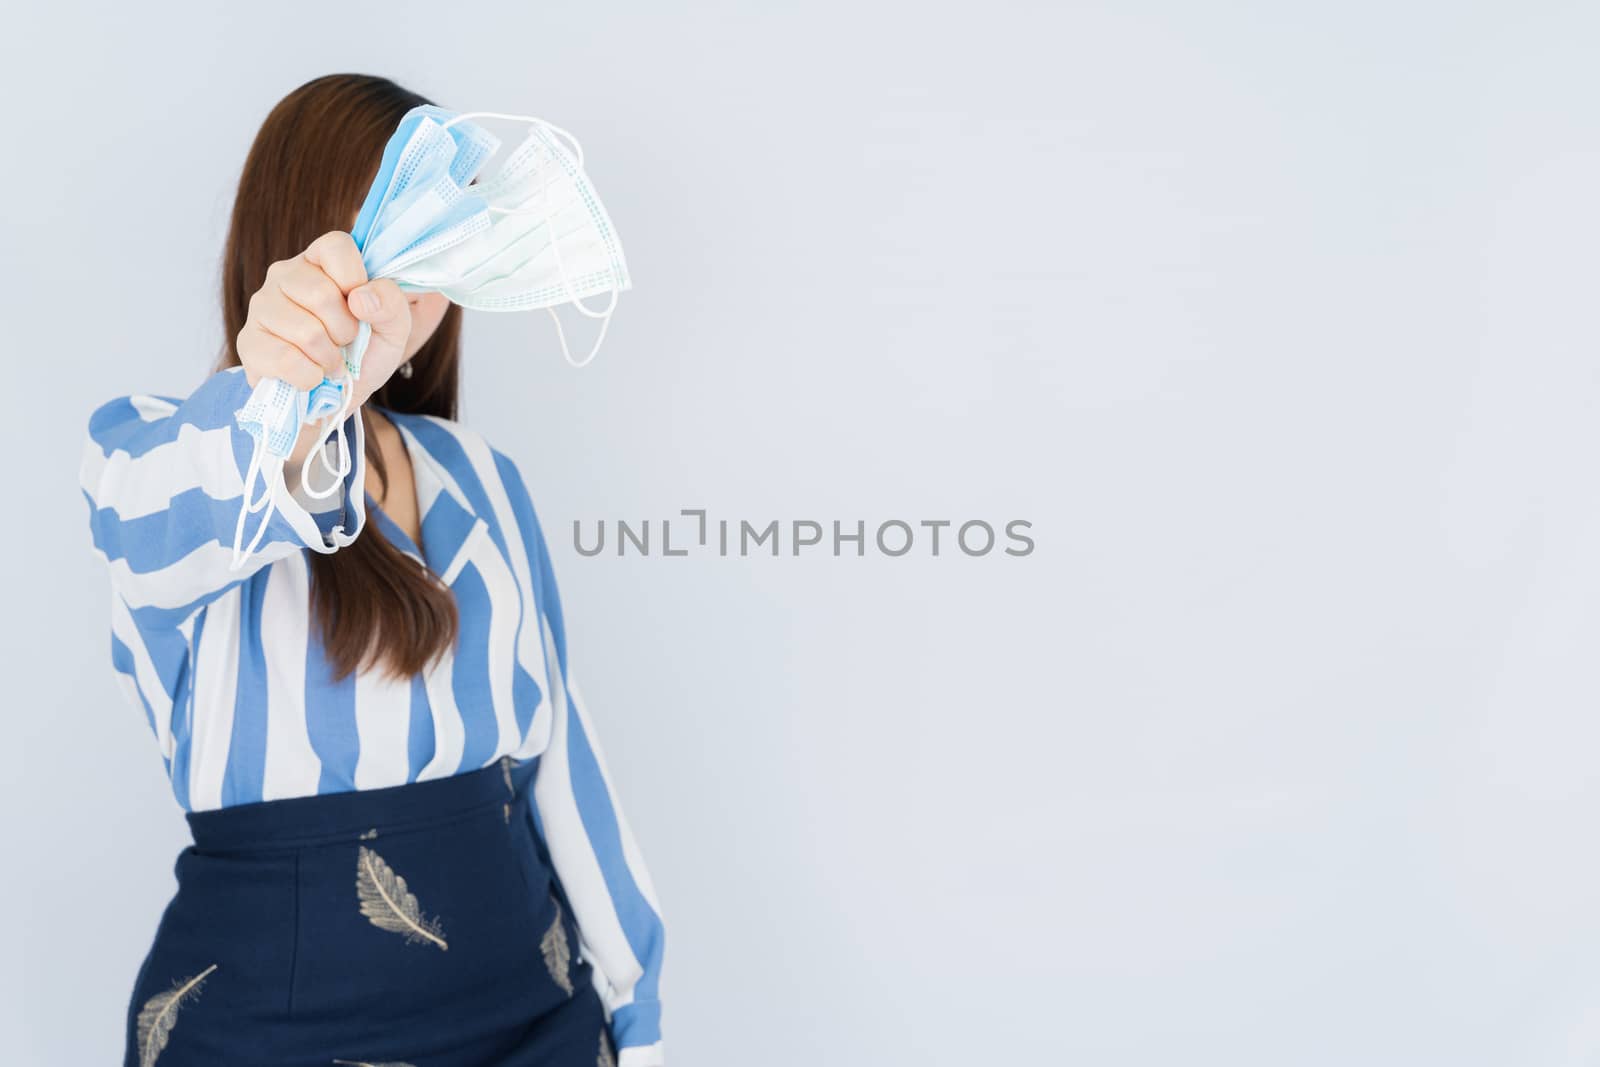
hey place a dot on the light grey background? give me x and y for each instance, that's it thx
(1276, 320)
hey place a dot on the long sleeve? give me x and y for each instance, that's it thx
(164, 481)
(591, 846)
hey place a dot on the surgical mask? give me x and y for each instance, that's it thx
(551, 241)
(532, 234)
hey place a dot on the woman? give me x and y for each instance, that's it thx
(406, 846)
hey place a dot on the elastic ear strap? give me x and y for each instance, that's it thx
(345, 462)
(562, 337)
(256, 457)
(572, 296)
(566, 281)
(577, 149)
(257, 468)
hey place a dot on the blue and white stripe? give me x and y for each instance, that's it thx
(232, 678)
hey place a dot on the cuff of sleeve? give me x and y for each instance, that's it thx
(340, 516)
(636, 1029)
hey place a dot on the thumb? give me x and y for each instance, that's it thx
(384, 306)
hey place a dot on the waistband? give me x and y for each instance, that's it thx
(309, 820)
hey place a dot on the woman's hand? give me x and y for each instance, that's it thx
(308, 307)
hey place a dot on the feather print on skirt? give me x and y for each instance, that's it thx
(557, 953)
(606, 1059)
(160, 1012)
(505, 768)
(364, 1063)
(389, 905)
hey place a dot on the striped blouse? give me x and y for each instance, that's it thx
(229, 671)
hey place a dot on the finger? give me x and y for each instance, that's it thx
(336, 254)
(276, 358)
(292, 323)
(309, 287)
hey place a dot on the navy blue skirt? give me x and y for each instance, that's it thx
(418, 924)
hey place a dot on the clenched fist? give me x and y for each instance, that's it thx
(308, 307)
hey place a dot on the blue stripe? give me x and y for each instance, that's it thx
(442, 444)
(639, 1023)
(154, 622)
(470, 675)
(550, 600)
(331, 718)
(420, 742)
(525, 697)
(247, 749)
(116, 426)
(122, 661)
(444, 529)
(390, 529)
(192, 520)
(525, 694)
(168, 650)
(182, 715)
(639, 920)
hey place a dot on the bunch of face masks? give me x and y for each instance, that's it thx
(530, 234)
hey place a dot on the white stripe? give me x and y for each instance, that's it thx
(151, 408)
(449, 735)
(383, 725)
(144, 673)
(293, 768)
(465, 551)
(424, 475)
(504, 602)
(542, 727)
(573, 857)
(196, 458)
(641, 1056)
(216, 680)
(442, 478)
(188, 578)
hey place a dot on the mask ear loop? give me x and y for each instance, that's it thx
(257, 469)
(347, 395)
(567, 286)
(577, 149)
(348, 391)
(566, 282)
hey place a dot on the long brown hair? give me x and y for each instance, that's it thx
(306, 174)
